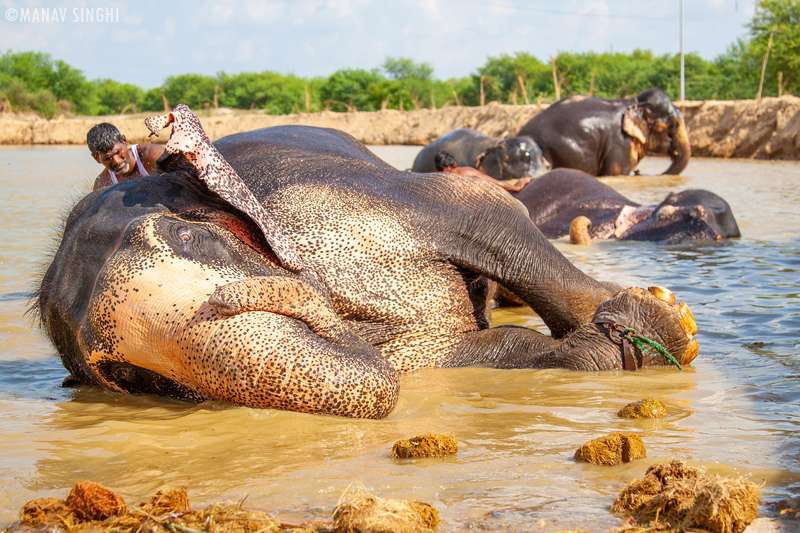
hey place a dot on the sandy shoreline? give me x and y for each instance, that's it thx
(764, 129)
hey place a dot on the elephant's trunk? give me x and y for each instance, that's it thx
(679, 149)
(296, 297)
(579, 231)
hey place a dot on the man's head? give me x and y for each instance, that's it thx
(110, 148)
(444, 161)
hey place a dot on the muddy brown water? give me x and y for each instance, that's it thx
(734, 412)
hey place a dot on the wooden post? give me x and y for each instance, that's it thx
(764, 64)
(780, 83)
(556, 84)
(433, 100)
(458, 102)
(166, 103)
(483, 98)
(521, 83)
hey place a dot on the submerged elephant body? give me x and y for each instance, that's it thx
(159, 286)
(608, 137)
(503, 159)
(558, 198)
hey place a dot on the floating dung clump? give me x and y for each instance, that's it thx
(425, 446)
(612, 449)
(168, 511)
(168, 501)
(93, 501)
(359, 511)
(681, 496)
(48, 512)
(647, 408)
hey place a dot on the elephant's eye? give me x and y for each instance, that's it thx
(185, 234)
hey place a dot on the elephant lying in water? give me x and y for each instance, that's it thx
(556, 200)
(160, 286)
(503, 159)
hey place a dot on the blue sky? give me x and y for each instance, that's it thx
(146, 41)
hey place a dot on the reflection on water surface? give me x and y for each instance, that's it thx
(733, 412)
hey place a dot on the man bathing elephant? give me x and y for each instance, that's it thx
(160, 286)
(512, 158)
(605, 137)
(566, 201)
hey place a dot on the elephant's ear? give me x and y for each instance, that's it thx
(189, 138)
(634, 124)
(479, 160)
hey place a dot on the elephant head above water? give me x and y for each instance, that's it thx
(161, 286)
(566, 201)
(608, 137)
(510, 158)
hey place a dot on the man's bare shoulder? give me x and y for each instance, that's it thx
(150, 151)
(149, 154)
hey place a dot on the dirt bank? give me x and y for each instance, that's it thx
(765, 129)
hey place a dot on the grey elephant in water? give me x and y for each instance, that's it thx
(511, 158)
(348, 272)
(566, 201)
(608, 137)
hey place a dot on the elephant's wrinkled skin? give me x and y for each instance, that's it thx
(160, 287)
(605, 137)
(556, 199)
(503, 159)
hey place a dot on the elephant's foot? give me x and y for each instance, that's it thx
(649, 315)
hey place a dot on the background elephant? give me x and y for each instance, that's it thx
(503, 159)
(556, 199)
(609, 137)
(160, 286)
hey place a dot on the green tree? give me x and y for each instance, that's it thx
(275, 93)
(502, 76)
(781, 20)
(37, 71)
(402, 68)
(40, 101)
(409, 85)
(191, 89)
(352, 89)
(114, 97)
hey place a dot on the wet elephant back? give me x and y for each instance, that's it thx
(556, 198)
(578, 132)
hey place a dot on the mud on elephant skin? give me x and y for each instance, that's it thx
(160, 286)
(608, 137)
(557, 201)
(503, 159)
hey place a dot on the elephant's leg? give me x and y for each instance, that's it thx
(496, 238)
(594, 346)
(517, 255)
